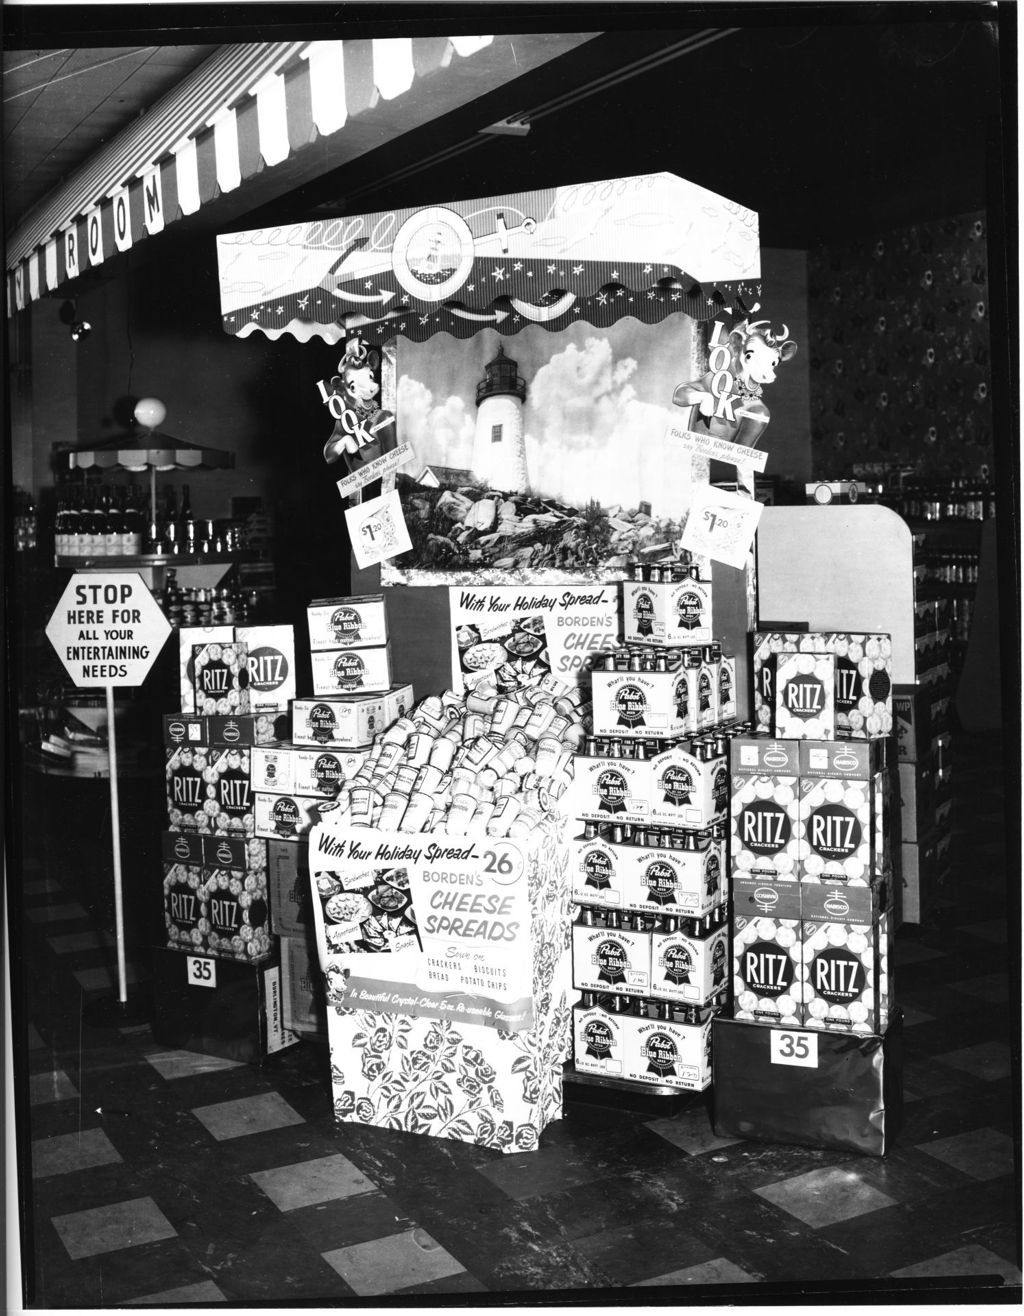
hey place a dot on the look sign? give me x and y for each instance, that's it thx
(107, 629)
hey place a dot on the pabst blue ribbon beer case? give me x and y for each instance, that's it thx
(765, 807)
(596, 871)
(271, 665)
(287, 769)
(613, 790)
(598, 1040)
(611, 960)
(642, 705)
(688, 965)
(687, 790)
(347, 623)
(285, 817)
(670, 1053)
(667, 612)
(351, 671)
(767, 952)
(340, 721)
(670, 881)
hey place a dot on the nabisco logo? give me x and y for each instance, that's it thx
(225, 855)
(837, 906)
(182, 849)
(176, 731)
(846, 761)
(346, 623)
(765, 898)
(230, 732)
(775, 757)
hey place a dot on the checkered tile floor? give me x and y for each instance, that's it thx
(168, 1178)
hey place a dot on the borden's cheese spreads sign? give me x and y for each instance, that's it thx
(470, 958)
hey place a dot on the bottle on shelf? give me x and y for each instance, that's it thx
(131, 523)
(186, 523)
(112, 523)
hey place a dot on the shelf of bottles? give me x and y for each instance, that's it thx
(101, 520)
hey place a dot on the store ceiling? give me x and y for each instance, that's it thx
(837, 128)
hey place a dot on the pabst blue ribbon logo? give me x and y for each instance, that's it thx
(322, 722)
(725, 683)
(612, 961)
(720, 789)
(704, 691)
(643, 612)
(661, 881)
(327, 773)
(676, 785)
(678, 964)
(689, 610)
(285, 816)
(661, 1054)
(598, 1037)
(611, 791)
(346, 624)
(349, 670)
(804, 697)
(681, 697)
(712, 873)
(718, 963)
(630, 704)
(599, 869)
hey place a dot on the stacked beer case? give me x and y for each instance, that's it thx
(810, 1052)
(648, 870)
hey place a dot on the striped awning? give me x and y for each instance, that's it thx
(249, 108)
(647, 246)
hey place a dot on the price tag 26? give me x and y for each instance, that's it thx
(791, 1048)
(200, 971)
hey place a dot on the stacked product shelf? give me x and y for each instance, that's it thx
(648, 870)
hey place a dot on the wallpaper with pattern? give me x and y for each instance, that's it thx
(899, 351)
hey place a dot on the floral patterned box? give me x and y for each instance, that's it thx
(451, 1078)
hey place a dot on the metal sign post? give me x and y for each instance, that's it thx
(107, 630)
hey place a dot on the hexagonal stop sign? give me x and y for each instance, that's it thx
(107, 628)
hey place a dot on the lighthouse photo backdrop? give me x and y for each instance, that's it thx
(541, 456)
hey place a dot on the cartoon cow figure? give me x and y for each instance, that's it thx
(362, 430)
(727, 399)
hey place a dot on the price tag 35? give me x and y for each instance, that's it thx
(200, 971)
(788, 1048)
